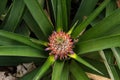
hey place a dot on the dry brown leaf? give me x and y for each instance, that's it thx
(24, 69)
(96, 77)
(118, 3)
(6, 77)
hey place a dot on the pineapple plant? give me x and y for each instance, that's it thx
(64, 38)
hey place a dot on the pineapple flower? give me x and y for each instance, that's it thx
(60, 44)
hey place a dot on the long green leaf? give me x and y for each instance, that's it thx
(41, 2)
(97, 64)
(71, 77)
(85, 8)
(54, 8)
(23, 29)
(30, 75)
(16, 60)
(68, 3)
(109, 10)
(98, 44)
(47, 76)
(78, 72)
(15, 15)
(80, 60)
(2, 6)
(33, 25)
(103, 26)
(110, 7)
(108, 61)
(44, 68)
(90, 18)
(8, 41)
(39, 16)
(23, 51)
(61, 17)
(65, 71)
(116, 52)
(4, 18)
(19, 38)
(58, 67)
(5, 41)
